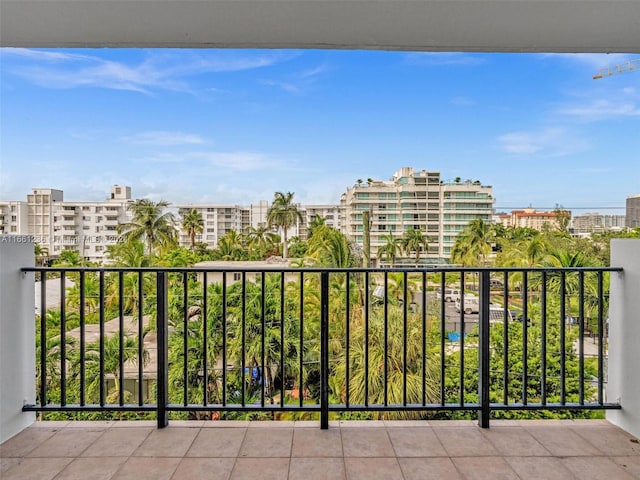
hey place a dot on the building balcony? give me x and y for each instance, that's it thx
(548, 342)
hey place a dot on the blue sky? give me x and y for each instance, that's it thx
(234, 126)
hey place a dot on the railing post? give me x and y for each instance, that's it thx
(162, 334)
(483, 349)
(324, 350)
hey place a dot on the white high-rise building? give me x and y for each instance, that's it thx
(415, 199)
(218, 220)
(13, 217)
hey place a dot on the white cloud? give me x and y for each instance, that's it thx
(164, 138)
(550, 142)
(443, 58)
(286, 86)
(601, 109)
(158, 70)
(462, 101)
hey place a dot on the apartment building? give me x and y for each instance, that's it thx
(218, 220)
(596, 222)
(530, 218)
(13, 217)
(632, 219)
(415, 199)
(57, 225)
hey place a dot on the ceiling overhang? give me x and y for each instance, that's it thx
(428, 25)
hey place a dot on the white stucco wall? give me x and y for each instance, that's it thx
(17, 334)
(624, 336)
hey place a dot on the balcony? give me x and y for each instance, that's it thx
(311, 348)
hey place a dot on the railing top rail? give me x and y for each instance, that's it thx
(320, 269)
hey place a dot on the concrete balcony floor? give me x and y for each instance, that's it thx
(443, 450)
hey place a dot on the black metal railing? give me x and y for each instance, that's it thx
(294, 343)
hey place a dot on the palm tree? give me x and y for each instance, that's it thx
(192, 224)
(284, 214)
(414, 240)
(41, 253)
(230, 247)
(475, 241)
(150, 223)
(261, 239)
(389, 251)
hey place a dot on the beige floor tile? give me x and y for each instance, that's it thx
(273, 424)
(366, 442)
(484, 468)
(204, 468)
(227, 424)
(609, 440)
(435, 468)
(117, 442)
(7, 463)
(539, 468)
(562, 441)
(147, 468)
(464, 441)
(372, 469)
(36, 469)
(630, 465)
(361, 424)
(415, 442)
(135, 424)
(262, 442)
(167, 442)
(24, 442)
(514, 441)
(217, 442)
(92, 468)
(313, 442)
(67, 442)
(260, 469)
(317, 469)
(595, 468)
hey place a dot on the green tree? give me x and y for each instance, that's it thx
(192, 224)
(283, 214)
(261, 241)
(390, 250)
(414, 240)
(151, 224)
(474, 244)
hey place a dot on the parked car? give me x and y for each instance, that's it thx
(471, 304)
(450, 294)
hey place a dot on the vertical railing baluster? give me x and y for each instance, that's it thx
(505, 340)
(101, 340)
(43, 338)
(82, 338)
(543, 354)
(140, 337)
(282, 339)
(224, 339)
(443, 326)
(301, 372)
(581, 338)
(63, 339)
(205, 341)
(348, 340)
(244, 339)
(424, 338)
(484, 362)
(525, 330)
(162, 309)
(324, 350)
(563, 322)
(366, 338)
(462, 329)
(386, 338)
(601, 327)
(121, 337)
(263, 346)
(405, 315)
(185, 339)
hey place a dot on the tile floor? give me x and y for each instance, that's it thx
(540, 450)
